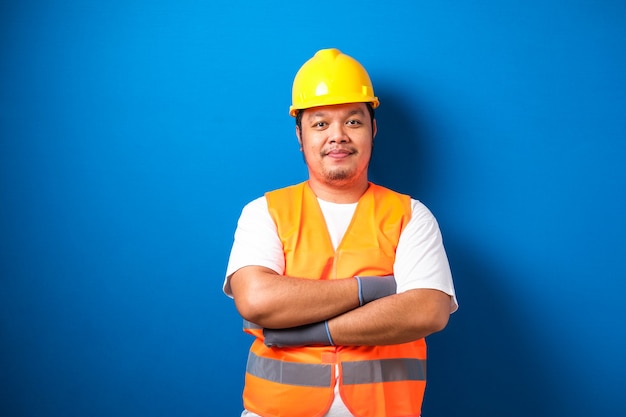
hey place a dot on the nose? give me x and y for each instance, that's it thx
(337, 133)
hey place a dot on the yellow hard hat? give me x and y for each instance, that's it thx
(331, 77)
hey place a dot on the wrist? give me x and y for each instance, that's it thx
(372, 288)
(360, 290)
(330, 338)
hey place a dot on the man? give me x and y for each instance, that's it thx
(338, 279)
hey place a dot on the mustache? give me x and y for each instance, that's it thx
(344, 148)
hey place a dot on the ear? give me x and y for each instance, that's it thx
(299, 136)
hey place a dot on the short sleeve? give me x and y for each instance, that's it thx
(256, 242)
(421, 260)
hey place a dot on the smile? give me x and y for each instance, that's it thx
(339, 153)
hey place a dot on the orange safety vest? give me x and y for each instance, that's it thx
(374, 381)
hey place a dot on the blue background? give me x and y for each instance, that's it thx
(133, 132)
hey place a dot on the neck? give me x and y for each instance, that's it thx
(339, 193)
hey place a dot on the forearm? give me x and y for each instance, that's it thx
(390, 320)
(275, 301)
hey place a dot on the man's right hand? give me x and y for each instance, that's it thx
(373, 288)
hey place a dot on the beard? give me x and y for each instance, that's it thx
(338, 175)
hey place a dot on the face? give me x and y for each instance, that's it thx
(337, 143)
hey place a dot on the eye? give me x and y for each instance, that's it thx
(319, 125)
(354, 122)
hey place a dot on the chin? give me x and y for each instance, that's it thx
(340, 175)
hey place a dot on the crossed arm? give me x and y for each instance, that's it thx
(276, 302)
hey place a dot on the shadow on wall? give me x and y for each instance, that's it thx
(484, 363)
(399, 160)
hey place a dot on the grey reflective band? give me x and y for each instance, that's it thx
(290, 373)
(384, 370)
(249, 325)
(359, 372)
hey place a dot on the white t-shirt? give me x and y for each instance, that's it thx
(421, 260)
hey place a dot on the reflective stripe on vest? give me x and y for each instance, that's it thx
(290, 373)
(384, 370)
(319, 375)
(253, 329)
(248, 325)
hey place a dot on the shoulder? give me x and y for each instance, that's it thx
(286, 191)
(420, 213)
(386, 197)
(256, 207)
(379, 189)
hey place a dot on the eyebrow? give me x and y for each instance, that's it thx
(323, 113)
